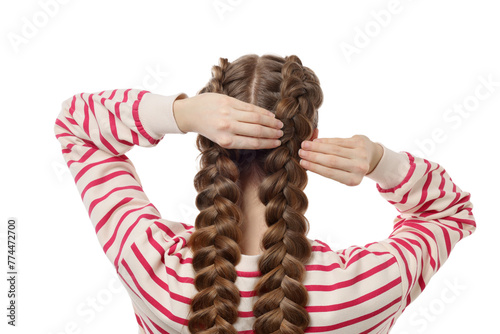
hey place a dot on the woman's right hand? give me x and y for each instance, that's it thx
(346, 160)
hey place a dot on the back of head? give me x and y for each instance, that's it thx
(292, 91)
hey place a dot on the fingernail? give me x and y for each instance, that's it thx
(280, 124)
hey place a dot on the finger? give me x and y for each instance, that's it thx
(255, 130)
(344, 142)
(244, 106)
(327, 160)
(334, 174)
(252, 143)
(327, 148)
(257, 118)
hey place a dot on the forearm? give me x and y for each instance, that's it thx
(179, 112)
(156, 113)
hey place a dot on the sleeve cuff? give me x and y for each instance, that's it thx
(391, 170)
(156, 114)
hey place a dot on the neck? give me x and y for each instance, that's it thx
(253, 224)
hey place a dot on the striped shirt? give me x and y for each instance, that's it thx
(361, 289)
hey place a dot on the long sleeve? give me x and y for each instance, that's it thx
(434, 214)
(358, 289)
(95, 132)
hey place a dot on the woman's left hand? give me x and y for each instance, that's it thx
(227, 121)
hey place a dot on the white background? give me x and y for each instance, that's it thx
(396, 88)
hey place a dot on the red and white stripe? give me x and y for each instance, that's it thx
(361, 289)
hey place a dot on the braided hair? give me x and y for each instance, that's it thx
(290, 90)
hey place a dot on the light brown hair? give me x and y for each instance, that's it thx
(292, 91)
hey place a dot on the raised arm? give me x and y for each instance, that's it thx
(148, 251)
(435, 214)
(95, 132)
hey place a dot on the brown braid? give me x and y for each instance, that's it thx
(292, 91)
(282, 296)
(215, 240)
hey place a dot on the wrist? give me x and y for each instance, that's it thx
(179, 112)
(378, 151)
